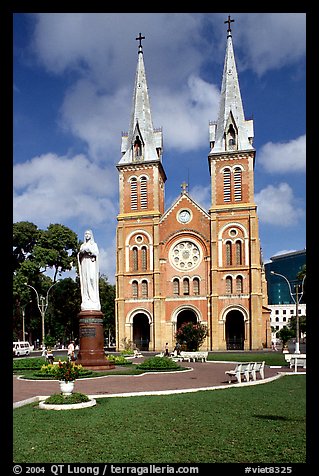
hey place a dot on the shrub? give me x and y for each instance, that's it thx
(159, 363)
(59, 399)
(118, 360)
(63, 371)
(192, 335)
(31, 363)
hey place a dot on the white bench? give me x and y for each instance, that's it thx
(296, 361)
(247, 370)
(194, 356)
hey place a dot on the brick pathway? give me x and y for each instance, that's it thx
(202, 375)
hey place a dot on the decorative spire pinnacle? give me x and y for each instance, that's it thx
(142, 142)
(232, 131)
(140, 38)
(184, 187)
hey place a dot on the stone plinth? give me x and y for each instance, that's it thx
(91, 354)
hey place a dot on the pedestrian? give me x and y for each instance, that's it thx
(178, 348)
(166, 350)
(70, 350)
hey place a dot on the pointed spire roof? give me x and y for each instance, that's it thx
(141, 130)
(231, 112)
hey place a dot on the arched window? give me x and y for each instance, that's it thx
(144, 258)
(176, 287)
(185, 286)
(239, 285)
(196, 286)
(143, 192)
(227, 185)
(135, 258)
(137, 148)
(237, 184)
(228, 253)
(135, 289)
(229, 285)
(133, 193)
(144, 289)
(239, 257)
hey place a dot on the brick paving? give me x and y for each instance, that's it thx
(202, 375)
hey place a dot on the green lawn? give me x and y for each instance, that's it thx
(257, 424)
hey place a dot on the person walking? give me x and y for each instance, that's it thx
(166, 350)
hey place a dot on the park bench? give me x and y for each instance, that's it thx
(247, 370)
(297, 361)
(194, 356)
(241, 370)
(258, 368)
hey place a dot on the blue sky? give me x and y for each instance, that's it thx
(73, 84)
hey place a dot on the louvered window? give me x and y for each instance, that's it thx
(144, 258)
(228, 253)
(229, 285)
(196, 286)
(227, 185)
(133, 193)
(143, 193)
(239, 252)
(185, 286)
(144, 289)
(135, 259)
(237, 184)
(176, 286)
(239, 285)
(135, 289)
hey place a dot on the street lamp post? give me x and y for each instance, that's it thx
(296, 301)
(42, 303)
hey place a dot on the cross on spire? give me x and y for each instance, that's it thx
(229, 21)
(140, 38)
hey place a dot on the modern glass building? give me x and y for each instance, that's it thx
(289, 265)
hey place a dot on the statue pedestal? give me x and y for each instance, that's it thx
(91, 354)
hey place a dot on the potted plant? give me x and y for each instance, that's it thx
(67, 372)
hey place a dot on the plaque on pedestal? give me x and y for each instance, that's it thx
(91, 354)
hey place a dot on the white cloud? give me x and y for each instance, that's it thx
(50, 189)
(270, 40)
(277, 206)
(283, 157)
(97, 118)
(185, 114)
(201, 195)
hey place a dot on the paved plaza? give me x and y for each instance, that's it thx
(199, 376)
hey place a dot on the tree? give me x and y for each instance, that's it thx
(56, 248)
(285, 334)
(34, 252)
(293, 324)
(107, 299)
(192, 335)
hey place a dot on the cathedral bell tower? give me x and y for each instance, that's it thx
(239, 315)
(141, 204)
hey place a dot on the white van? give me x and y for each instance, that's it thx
(21, 348)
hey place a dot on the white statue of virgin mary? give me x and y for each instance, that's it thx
(88, 260)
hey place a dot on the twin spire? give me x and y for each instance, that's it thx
(231, 132)
(142, 143)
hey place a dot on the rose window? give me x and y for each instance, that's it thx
(185, 255)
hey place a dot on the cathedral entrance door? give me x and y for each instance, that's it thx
(235, 330)
(141, 331)
(186, 315)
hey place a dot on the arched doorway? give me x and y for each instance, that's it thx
(141, 331)
(186, 315)
(235, 330)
